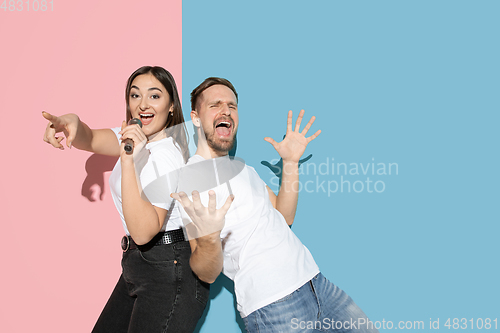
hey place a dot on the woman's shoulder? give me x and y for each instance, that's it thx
(166, 149)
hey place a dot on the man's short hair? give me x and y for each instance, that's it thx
(211, 81)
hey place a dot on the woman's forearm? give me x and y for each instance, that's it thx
(143, 219)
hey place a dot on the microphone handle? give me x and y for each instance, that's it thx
(129, 143)
(129, 146)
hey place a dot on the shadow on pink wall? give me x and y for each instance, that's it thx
(93, 186)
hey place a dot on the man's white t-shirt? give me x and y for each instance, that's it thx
(262, 255)
(158, 165)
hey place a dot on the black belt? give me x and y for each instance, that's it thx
(162, 238)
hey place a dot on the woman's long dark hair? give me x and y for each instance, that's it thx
(178, 133)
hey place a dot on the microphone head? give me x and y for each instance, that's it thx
(128, 148)
(135, 121)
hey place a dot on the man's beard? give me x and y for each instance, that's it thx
(221, 146)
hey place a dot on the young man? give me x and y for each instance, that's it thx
(278, 285)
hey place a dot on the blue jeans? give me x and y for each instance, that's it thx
(317, 306)
(157, 292)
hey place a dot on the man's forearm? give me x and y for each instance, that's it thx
(286, 201)
(206, 260)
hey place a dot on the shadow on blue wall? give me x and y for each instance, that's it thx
(215, 288)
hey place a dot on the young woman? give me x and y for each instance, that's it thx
(157, 290)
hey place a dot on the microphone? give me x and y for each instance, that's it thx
(129, 143)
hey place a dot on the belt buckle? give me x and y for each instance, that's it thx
(125, 243)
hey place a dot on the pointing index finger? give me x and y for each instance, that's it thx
(48, 116)
(54, 120)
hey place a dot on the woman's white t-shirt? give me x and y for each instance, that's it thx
(157, 165)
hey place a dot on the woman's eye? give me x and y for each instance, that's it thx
(134, 96)
(155, 96)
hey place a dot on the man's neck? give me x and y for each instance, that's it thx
(208, 153)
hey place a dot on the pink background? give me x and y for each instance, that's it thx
(61, 251)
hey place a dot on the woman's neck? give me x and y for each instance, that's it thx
(157, 136)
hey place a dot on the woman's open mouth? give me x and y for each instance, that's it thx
(146, 118)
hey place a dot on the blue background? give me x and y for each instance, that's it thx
(409, 82)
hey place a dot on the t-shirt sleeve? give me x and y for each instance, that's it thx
(116, 130)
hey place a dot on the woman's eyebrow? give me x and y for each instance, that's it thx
(153, 88)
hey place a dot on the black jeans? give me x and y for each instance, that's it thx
(157, 292)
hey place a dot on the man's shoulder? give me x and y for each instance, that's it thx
(195, 159)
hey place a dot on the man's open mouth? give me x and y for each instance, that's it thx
(223, 128)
